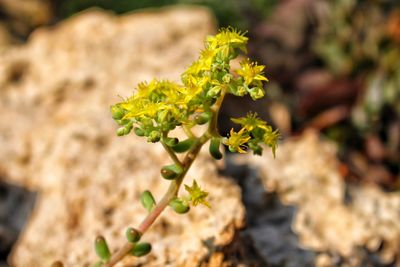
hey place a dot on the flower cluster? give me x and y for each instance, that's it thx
(159, 106)
(253, 132)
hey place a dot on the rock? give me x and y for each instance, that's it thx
(333, 219)
(57, 137)
(269, 221)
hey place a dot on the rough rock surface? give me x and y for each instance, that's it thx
(346, 225)
(57, 137)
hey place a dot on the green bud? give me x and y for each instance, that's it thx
(162, 115)
(203, 118)
(256, 93)
(147, 200)
(124, 130)
(170, 172)
(101, 248)
(141, 249)
(154, 137)
(241, 91)
(179, 206)
(227, 78)
(57, 264)
(214, 91)
(117, 112)
(171, 141)
(139, 131)
(232, 149)
(184, 145)
(214, 148)
(132, 235)
(123, 122)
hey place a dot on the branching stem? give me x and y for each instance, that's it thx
(169, 195)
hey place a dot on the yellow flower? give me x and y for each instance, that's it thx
(227, 37)
(197, 196)
(251, 122)
(236, 141)
(250, 72)
(271, 139)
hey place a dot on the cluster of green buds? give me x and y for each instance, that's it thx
(159, 106)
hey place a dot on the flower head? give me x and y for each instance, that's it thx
(251, 122)
(237, 140)
(227, 37)
(197, 196)
(250, 72)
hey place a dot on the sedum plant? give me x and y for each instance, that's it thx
(159, 106)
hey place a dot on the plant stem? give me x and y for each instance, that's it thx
(169, 195)
(172, 154)
(188, 131)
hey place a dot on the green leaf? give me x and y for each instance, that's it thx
(101, 248)
(179, 206)
(203, 118)
(184, 145)
(214, 148)
(171, 172)
(141, 249)
(147, 200)
(171, 141)
(133, 235)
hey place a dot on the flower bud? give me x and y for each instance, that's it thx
(147, 200)
(227, 78)
(154, 137)
(214, 91)
(183, 146)
(170, 172)
(256, 93)
(101, 248)
(117, 112)
(124, 130)
(141, 249)
(139, 131)
(132, 235)
(179, 206)
(214, 148)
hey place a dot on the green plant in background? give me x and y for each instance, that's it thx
(355, 41)
(237, 13)
(159, 106)
(360, 40)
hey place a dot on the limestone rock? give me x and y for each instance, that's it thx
(57, 137)
(331, 219)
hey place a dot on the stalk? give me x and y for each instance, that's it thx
(170, 194)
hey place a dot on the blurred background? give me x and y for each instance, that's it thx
(334, 66)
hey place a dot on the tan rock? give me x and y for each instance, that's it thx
(57, 137)
(305, 174)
